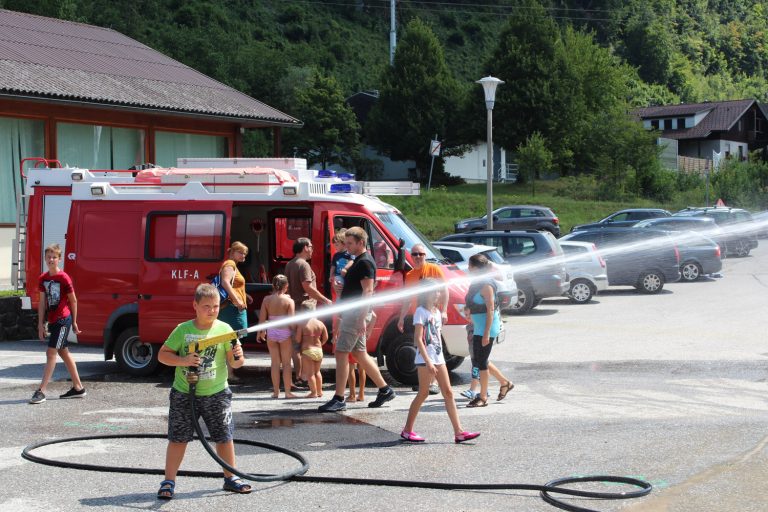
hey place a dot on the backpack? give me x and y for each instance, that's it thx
(474, 289)
(216, 281)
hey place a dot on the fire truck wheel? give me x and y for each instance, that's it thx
(400, 355)
(134, 357)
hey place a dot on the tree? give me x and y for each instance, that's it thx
(534, 158)
(330, 132)
(418, 98)
(525, 58)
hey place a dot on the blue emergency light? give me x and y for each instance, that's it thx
(340, 188)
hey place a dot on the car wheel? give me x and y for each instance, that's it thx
(650, 282)
(581, 291)
(400, 355)
(690, 271)
(742, 249)
(525, 301)
(134, 357)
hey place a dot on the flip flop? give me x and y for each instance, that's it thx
(504, 389)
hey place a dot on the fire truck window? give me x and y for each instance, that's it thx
(186, 236)
(287, 231)
(380, 250)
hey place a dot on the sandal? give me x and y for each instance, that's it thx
(504, 389)
(167, 488)
(234, 484)
(478, 402)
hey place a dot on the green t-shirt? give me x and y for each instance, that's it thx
(213, 360)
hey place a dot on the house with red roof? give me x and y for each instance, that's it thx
(92, 97)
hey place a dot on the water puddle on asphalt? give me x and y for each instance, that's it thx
(270, 419)
(740, 468)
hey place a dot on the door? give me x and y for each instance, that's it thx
(383, 252)
(182, 248)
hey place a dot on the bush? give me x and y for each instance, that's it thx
(581, 188)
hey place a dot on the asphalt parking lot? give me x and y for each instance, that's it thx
(668, 388)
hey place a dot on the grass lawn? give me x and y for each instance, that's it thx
(435, 212)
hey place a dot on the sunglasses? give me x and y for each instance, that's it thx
(418, 254)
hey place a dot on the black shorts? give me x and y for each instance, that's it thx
(216, 411)
(480, 353)
(58, 333)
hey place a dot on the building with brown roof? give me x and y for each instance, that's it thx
(701, 130)
(94, 98)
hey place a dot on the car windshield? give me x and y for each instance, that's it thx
(400, 227)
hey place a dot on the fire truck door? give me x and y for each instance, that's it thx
(182, 248)
(383, 252)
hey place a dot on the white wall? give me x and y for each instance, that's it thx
(471, 166)
(6, 236)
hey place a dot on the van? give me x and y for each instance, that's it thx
(138, 242)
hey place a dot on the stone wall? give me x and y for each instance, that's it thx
(16, 323)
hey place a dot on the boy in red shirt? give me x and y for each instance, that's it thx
(57, 298)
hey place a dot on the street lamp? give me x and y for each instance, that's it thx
(489, 84)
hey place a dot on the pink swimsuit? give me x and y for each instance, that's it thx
(278, 334)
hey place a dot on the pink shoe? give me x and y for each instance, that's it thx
(465, 436)
(412, 437)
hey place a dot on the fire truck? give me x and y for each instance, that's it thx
(137, 243)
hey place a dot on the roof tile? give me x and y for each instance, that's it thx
(53, 58)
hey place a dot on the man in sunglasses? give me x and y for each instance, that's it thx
(422, 269)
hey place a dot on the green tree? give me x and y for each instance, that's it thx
(534, 159)
(330, 132)
(418, 97)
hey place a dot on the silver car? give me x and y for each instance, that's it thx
(459, 253)
(587, 271)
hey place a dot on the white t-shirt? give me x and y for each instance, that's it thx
(431, 320)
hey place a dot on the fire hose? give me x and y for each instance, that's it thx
(298, 474)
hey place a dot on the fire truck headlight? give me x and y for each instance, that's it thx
(97, 191)
(77, 176)
(289, 190)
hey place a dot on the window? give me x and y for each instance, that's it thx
(667, 124)
(619, 217)
(382, 252)
(576, 253)
(528, 213)
(185, 236)
(378, 246)
(681, 123)
(655, 124)
(451, 255)
(99, 147)
(19, 139)
(171, 145)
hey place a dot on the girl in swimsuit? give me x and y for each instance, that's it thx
(274, 307)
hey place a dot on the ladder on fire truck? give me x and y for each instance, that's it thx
(18, 250)
(18, 272)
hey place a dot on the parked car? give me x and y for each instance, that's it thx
(643, 258)
(459, 253)
(536, 258)
(624, 218)
(697, 256)
(739, 234)
(514, 218)
(586, 270)
(761, 223)
(700, 255)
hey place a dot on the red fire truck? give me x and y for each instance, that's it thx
(136, 244)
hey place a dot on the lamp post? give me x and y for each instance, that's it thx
(489, 84)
